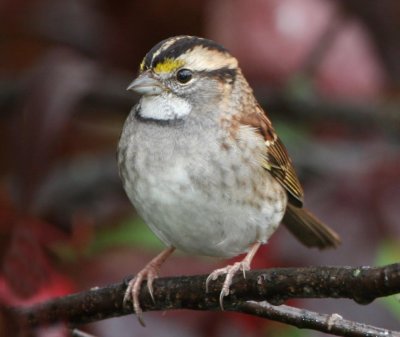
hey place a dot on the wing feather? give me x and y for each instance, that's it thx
(305, 226)
(277, 160)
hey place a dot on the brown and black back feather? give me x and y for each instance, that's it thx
(300, 222)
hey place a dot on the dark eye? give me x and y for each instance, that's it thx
(184, 75)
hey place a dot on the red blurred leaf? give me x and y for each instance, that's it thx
(26, 269)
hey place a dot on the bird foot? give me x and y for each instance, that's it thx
(230, 272)
(149, 272)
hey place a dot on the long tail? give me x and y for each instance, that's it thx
(308, 229)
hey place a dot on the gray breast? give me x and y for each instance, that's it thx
(195, 193)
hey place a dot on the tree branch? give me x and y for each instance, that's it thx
(362, 284)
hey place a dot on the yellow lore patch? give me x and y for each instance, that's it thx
(168, 66)
(142, 65)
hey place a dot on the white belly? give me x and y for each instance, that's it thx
(204, 221)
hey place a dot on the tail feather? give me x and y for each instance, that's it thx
(308, 229)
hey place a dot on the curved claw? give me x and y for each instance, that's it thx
(208, 279)
(150, 279)
(222, 294)
(127, 295)
(212, 277)
(139, 316)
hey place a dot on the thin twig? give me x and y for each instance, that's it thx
(333, 324)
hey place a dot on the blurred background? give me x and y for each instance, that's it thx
(328, 73)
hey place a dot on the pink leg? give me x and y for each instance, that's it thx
(149, 272)
(230, 272)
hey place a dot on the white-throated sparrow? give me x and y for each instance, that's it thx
(202, 164)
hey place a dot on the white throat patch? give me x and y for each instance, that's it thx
(164, 107)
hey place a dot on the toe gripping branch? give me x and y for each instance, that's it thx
(230, 272)
(149, 272)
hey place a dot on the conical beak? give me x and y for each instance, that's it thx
(146, 84)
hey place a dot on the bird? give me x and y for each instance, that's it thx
(202, 164)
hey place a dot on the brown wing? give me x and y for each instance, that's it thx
(277, 160)
(305, 226)
(309, 229)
